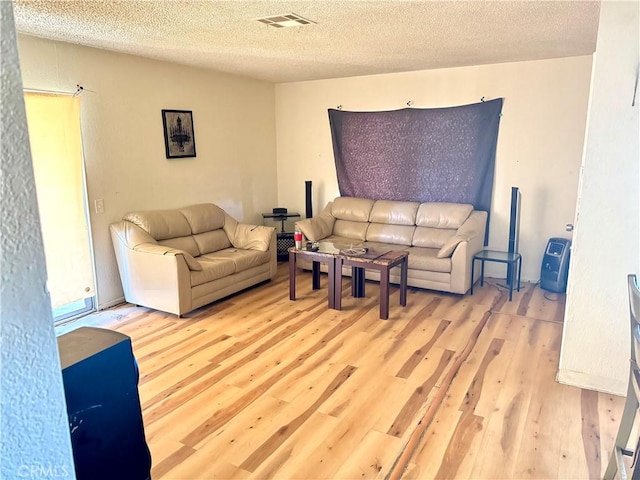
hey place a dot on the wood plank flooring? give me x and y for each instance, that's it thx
(257, 386)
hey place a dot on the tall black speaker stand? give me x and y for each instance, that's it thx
(308, 199)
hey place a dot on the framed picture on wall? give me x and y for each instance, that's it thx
(179, 141)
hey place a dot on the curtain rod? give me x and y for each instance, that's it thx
(78, 91)
(410, 103)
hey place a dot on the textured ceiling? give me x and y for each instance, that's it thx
(350, 38)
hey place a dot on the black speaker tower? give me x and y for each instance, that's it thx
(514, 228)
(308, 205)
(514, 220)
(100, 376)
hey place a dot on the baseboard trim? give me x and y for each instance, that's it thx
(112, 303)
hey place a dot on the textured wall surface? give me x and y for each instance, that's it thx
(123, 139)
(34, 431)
(540, 140)
(595, 348)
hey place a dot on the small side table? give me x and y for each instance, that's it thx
(512, 260)
(284, 239)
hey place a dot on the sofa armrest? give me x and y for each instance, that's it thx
(151, 277)
(474, 226)
(273, 254)
(129, 234)
(253, 237)
(473, 230)
(318, 227)
(246, 236)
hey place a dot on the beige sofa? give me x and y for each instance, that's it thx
(441, 238)
(179, 260)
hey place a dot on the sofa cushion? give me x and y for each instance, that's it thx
(427, 259)
(203, 217)
(351, 208)
(342, 242)
(432, 237)
(161, 224)
(242, 259)
(393, 234)
(351, 229)
(212, 269)
(187, 244)
(211, 241)
(382, 247)
(443, 215)
(394, 213)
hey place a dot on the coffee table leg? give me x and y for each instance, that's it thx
(315, 271)
(353, 282)
(384, 293)
(337, 304)
(403, 282)
(357, 282)
(292, 276)
(331, 281)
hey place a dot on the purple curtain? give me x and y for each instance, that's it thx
(420, 155)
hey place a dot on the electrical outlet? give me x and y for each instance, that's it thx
(99, 205)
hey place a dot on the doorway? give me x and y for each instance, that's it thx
(58, 167)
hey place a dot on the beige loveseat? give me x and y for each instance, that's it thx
(179, 260)
(441, 238)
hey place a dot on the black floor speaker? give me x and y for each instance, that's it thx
(100, 377)
(514, 230)
(308, 199)
(555, 265)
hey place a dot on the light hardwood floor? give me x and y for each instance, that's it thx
(257, 386)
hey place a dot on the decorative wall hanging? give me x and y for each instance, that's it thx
(418, 155)
(179, 141)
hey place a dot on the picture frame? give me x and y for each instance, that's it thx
(179, 138)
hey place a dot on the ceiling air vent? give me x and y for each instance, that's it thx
(285, 20)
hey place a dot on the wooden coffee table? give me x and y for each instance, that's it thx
(383, 263)
(335, 259)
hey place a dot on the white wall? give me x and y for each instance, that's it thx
(34, 430)
(539, 144)
(595, 347)
(123, 138)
